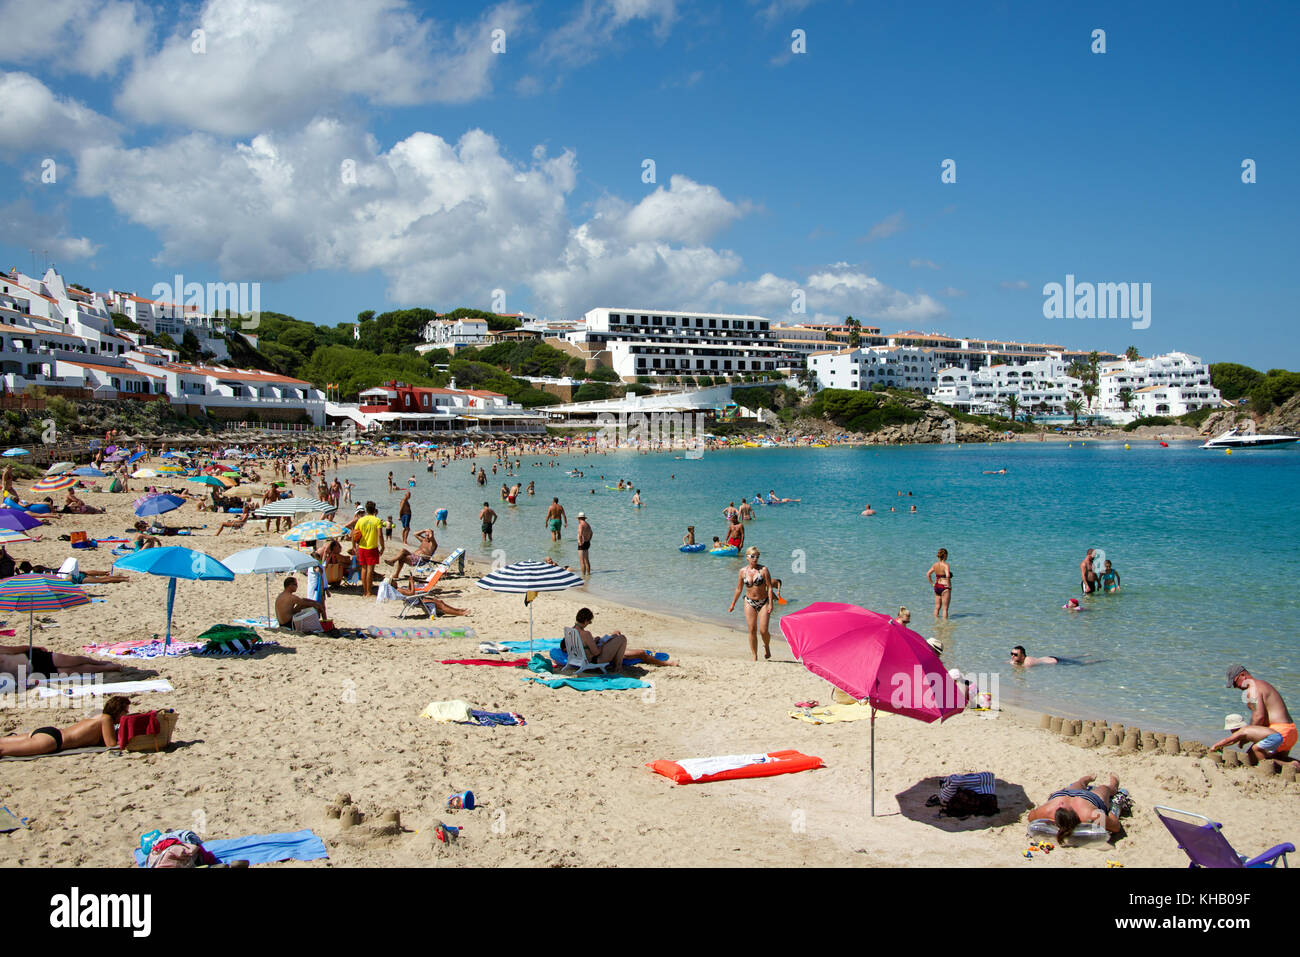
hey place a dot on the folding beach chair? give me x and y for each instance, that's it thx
(443, 567)
(1205, 845)
(576, 653)
(417, 600)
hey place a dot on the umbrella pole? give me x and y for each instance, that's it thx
(530, 629)
(268, 599)
(873, 761)
(171, 600)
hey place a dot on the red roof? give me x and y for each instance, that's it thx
(118, 370)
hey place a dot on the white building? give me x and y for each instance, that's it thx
(1040, 387)
(455, 333)
(1172, 384)
(890, 367)
(657, 343)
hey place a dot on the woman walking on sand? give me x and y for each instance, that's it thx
(940, 576)
(756, 582)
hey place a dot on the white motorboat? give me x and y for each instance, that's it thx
(1236, 439)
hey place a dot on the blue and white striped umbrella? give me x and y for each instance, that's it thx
(293, 506)
(528, 578)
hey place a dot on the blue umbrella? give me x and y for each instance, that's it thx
(12, 453)
(135, 457)
(173, 562)
(18, 520)
(89, 472)
(157, 504)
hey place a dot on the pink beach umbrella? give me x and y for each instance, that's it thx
(874, 658)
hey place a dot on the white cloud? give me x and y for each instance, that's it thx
(1014, 284)
(34, 120)
(952, 293)
(593, 30)
(269, 63)
(922, 264)
(77, 36)
(774, 10)
(447, 223)
(885, 228)
(43, 232)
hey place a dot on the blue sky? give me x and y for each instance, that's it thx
(776, 172)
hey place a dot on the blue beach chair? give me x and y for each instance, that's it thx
(1205, 845)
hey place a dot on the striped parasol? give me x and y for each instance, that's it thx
(293, 506)
(314, 531)
(10, 536)
(527, 579)
(53, 483)
(33, 593)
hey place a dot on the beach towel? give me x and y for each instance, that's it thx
(590, 682)
(831, 713)
(447, 711)
(255, 622)
(100, 749)
(509, 663)
(534, 647)
(144, 648)
(224, 634)
(238, 647)
(494, 718)
(261, 848)
(9, 821)
(730, 767)
(83, 689)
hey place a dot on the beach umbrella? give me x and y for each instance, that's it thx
(875, 659)
(144, 473)
(53, 483)
(269, 560)
(87, 471)
(314, 531)
(527, 579)
(33, 593)
(207, 480)
(10, 536)
(13, 453)
(293, 506)
(244, 491)
(17, 519)
(173, 562)
(157, 504)
(59, 467)
(135, 457)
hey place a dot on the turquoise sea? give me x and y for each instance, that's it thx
(1204, 542)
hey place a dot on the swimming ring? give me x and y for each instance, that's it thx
(697, 547)
(725, 551)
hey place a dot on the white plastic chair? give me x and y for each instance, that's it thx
(576, 653)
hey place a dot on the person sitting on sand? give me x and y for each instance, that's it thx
(288, 604)
(607, 649)
(1272, 731)
(1079, 803)
(74, 505)
(143, 540)
(87, 733)
(47, 663)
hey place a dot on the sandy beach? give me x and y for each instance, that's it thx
(266, 742)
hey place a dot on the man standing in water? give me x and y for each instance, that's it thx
(404, 514)
(1272, 731)
(584, 543)
(1088, 572)
(554, 516)
(486, 519)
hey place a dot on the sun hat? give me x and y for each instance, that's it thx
(1233, 721)
(582, 515)
(1233, 672)
(936, 644)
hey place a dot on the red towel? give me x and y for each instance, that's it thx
(136, 724)
(517, 663)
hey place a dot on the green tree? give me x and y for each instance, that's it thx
(1074, 407)
(1090, 391)
(1012, 405)
(855, 332)
(604, 374)
(1131, 354)
(1125, 397)
(1233, 380)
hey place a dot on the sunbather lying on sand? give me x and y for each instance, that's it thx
(89, 733)
(47, 663)
(238, 522)
(440, 607)
(1078, 803)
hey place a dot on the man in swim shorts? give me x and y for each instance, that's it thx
(368, 534)
(554, 516)
(486, 518)
(584, 543)
(1088, 573)
(1272, 731)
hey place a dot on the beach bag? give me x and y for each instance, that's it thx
(307, 621)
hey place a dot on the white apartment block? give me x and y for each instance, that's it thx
(1040, 387)
(455, 333)
(1172, 384)
(640, 342)
(890, 367)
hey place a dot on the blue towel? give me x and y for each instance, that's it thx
(590, 682)
(263, 848)
(540, 647)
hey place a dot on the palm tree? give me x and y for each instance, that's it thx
(1074, 407)
(1078, 370)
(1125, 397)
(855, 334)
(1012, 404)
(1094, 358)
(1090, 390)
(1131, 354)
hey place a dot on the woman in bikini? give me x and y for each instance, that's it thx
(756, 582)
(940, 576)
(90, 733)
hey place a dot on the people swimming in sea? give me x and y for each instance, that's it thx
(868, 510)
(689, 537)
(996, 472)
(1088, 572)
(1109, 578)
(746, 510)
(1022, 660)
(1073, 605)
(772, 498)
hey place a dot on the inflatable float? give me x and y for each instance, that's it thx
(697, 547)
(762, 766)
(725, 551)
